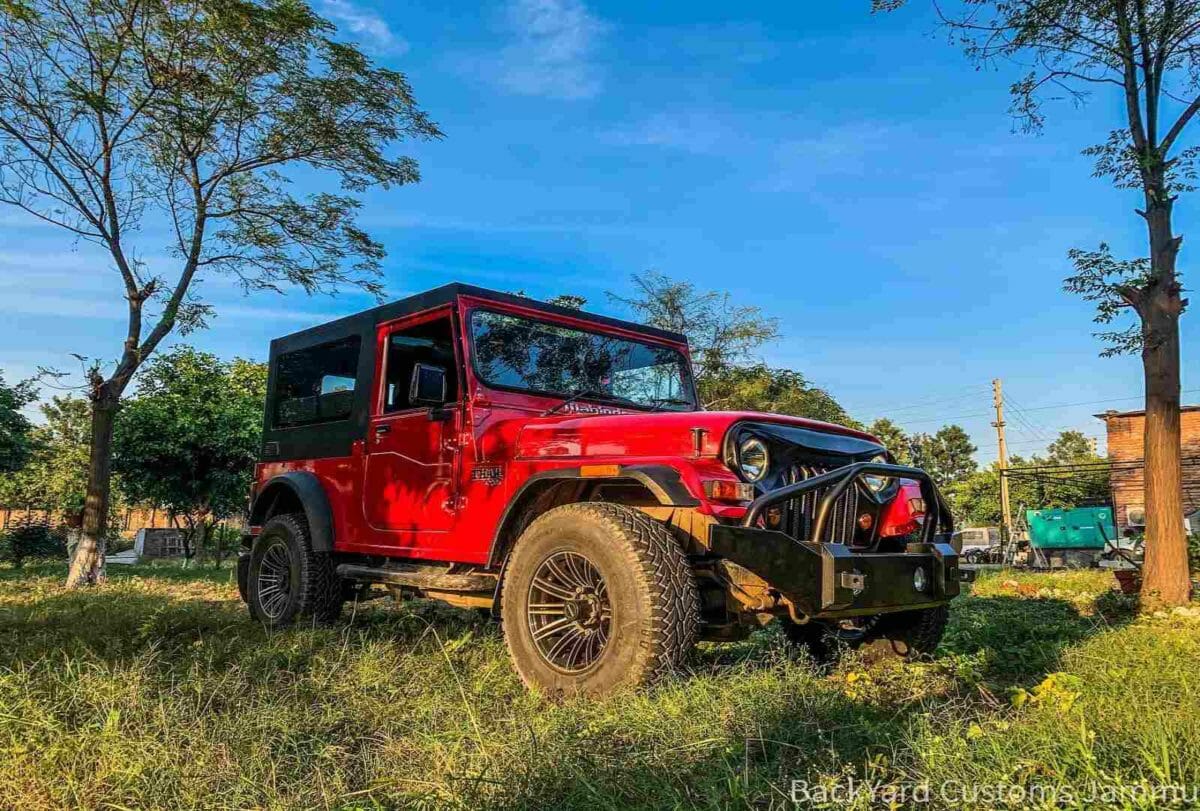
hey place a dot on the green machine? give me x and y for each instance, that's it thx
(1080, 528)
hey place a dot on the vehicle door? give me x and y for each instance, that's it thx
(409, 488)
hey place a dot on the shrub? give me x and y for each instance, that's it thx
(32, 539)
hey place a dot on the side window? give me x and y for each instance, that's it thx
(430, 344)
(316, 384)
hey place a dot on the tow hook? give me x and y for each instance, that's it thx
(855, 581)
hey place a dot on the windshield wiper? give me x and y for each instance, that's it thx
(659, 402)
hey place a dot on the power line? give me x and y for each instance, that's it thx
(1037, 408)
(1019, 410)
(1094, 402)
(888, 409)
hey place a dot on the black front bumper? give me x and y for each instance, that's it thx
(833, 580)
(830, 579)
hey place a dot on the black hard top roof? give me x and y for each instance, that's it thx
(447, 294)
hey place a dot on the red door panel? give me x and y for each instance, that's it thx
(409, 484)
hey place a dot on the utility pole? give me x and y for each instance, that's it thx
(1005, 511)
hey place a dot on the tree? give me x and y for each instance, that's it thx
(54, 477)
(1071, 448)
(976, 498)
(892, 436)
(948, 456)
(188, 438)
(759, 387)
(723, 337)
(722, 334)
(15, 427)
(123, 118)
(1146, 54)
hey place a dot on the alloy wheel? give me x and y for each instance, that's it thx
(568, 612)
(275, 580)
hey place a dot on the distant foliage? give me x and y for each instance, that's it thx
(725, 338)
(947, 455)
(722, 334)
(976, 499)
(775, 391)
(32, 539)
(15, 428)
(893, 438)
(54, 477)
(188, 438)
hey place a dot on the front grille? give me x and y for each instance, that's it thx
(800, 513)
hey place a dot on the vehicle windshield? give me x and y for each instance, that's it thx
(515, 352)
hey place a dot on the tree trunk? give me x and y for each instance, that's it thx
(87, 565)
(1165, 573)
(1165, 579)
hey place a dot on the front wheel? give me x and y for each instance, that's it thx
(597, 597)
(911, 635)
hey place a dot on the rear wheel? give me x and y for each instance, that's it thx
(597, 597)
(287, 580)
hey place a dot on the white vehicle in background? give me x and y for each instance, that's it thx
(979, 544)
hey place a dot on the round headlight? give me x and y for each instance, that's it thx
(877, 483)
(920, 579)
(753, 459)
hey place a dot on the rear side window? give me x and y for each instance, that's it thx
(316, 384)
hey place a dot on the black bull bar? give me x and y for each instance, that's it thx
(831, 579)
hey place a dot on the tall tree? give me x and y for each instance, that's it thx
(722, 334)
(894, 438)
(758, 387)
(14, 425)
(188, 438)
(122, 117)
(948, 455)
(1146, 54)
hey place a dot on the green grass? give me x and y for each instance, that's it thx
(157, 691)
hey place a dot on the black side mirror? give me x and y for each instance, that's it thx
(428, 386)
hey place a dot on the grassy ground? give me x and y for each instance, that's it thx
(158, 691)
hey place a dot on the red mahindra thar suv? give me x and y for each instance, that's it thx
(554, 468)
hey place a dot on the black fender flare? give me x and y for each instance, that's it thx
(663, 482)
(308, 491)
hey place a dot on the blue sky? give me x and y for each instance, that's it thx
(851, 174)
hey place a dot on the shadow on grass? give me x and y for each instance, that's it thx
(812, 733)
(166, 570)
(759, 731)
(181, 611)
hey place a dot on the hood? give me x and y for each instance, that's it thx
(671, 433)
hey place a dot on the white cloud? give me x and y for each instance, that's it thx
(696, 131)
(845, 150)
(366, 25)
(552, 51)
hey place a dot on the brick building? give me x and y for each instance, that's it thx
(1125, 451)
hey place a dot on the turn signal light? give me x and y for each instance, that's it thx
(725, 490)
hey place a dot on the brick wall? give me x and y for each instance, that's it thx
(1125, 444)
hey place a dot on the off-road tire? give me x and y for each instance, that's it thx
(823, 642)
(913, 635)
(314, 590)
(655, 607)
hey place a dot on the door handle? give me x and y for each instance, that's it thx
(382, 429)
